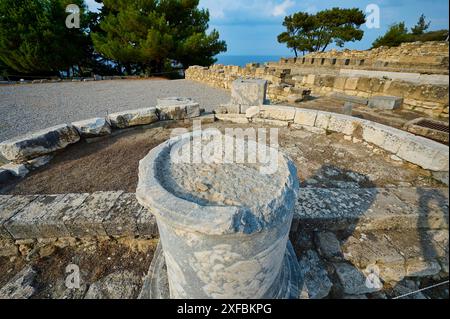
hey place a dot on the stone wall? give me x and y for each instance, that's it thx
(290, 78)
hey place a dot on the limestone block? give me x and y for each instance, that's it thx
(316, 281)
(269, 122)
(177, 108)
(131, 118)
(248, 92)
(39, 143)
(305, 117)
(385, 137)
(310, 79)
(39, 161)
(21, 286)
(277, 112)
(352, 280)
(51, 224)
(93, 127)
(344, 124)
(351, 84)
(9, 206)
(23, 225)
(146, 223)
(234, 118)
(328, 246)
(385, 102)
(86, 220)
(323, 119)
(426, 153)
(339, 83)
(121, 218)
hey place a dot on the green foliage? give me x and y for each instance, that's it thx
(398, 34)
(34, 37)
(310, 33)
(145, 34)
(421, 26)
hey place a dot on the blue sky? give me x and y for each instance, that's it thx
(250, 27)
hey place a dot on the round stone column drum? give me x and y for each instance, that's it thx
(224, 227)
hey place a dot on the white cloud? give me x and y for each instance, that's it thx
(280, 10)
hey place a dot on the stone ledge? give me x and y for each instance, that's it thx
(418, 150)
(118, 214)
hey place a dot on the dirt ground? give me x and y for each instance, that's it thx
(95, 259)
(111, 164)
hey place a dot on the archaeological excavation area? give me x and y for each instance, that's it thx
(356, 207)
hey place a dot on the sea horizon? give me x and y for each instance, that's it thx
(242, 60)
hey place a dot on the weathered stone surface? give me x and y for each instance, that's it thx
(21, 286)
(328, 246)
(176, 108)
(233, 118)
(353, 281)
(222, 243)
(118, 285)
(133, 118)
(18, 170)
(93, 127)
(385, 102)
(316, 282)
(248, 93)
(305, 117)
(51, 224)
(277, 112)
(39, 143)
(10, 207)
(121, 218)
(23, 225)
(253, 112)
(86, 220)
(407, 289)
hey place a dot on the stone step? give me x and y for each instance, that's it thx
(118, 214)
(372, 208)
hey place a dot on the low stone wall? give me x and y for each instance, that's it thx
(405, 146)
(429, 99)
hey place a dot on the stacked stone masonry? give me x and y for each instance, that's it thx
(415, 72)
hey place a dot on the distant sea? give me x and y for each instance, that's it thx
(242, 60)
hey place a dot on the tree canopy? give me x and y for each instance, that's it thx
(34, 37)
(398, 33)
(147, 34)
(315, 32)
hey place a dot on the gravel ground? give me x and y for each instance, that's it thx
(26, 108)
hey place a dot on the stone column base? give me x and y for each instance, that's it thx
(156, 284)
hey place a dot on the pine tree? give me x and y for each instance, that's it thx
(144, 35)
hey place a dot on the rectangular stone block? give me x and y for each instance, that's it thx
(305, 117)
(23, 225)
(343, 124)
(133, 118)
(121, 219)
(385, 102)
(322, 120)
(233, 118)
(51, 225)
(386, 137)
(276, 112)
(351, 84)
(87, 219)
(9, 207)
(248, 92)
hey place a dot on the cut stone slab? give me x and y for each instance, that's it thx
(352, 280)
(350, 98)
(316, 282)
(39, 143)
(277, 112)
(20, 286)
(23, 224)
(233, 118)
(305, 117)
(18, 170)
(176, 108)
(93, 127)
(51, 224)
(370, 208)
(133, 118)
(385, 102)
(121, 218)
(10, 207)
(250, 92)
(118, 285)
(87, 219)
